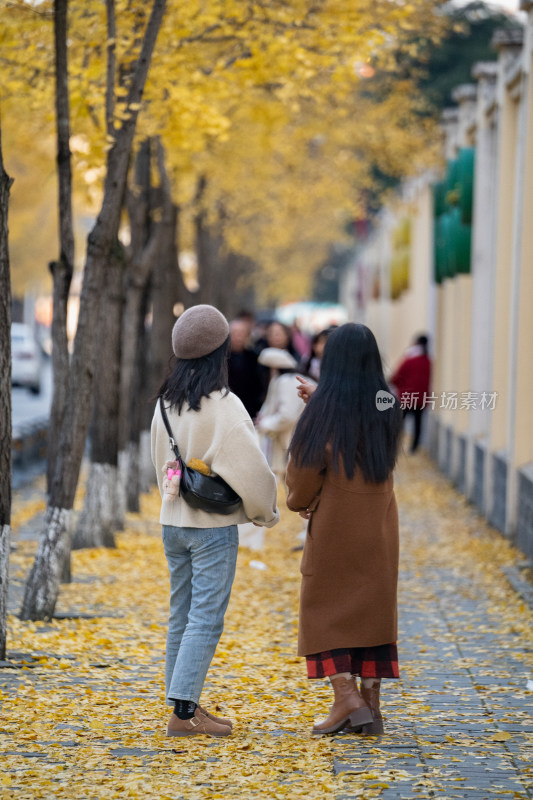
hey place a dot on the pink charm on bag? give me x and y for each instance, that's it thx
(171, 482)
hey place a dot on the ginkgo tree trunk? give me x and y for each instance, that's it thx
(5, 401)
(97, 522)
(144, 216)
(42, 588)
(125, 369)
(167, 293)
(61, 269)
(149, 210)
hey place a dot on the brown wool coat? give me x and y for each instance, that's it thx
(350, 560)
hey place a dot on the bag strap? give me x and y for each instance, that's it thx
(173, 443)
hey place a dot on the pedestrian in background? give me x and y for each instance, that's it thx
(411, 381)
(310, 366)
(248, 318)
(211, 427)
(243, 373)
(282, 407)
(300, 340)
(279, 335)
(339, 477)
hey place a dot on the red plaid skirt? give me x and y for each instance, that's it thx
(367, 662)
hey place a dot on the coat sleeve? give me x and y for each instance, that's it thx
(240, 462)
(304, 485)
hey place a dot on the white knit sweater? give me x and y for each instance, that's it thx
(278, 417)
(222, 435)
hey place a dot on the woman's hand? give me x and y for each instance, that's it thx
(306, 388)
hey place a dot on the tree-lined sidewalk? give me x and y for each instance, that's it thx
(83, 709)
(224, 131)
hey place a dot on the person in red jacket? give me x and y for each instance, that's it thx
(411, 381)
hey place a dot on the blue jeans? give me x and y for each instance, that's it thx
(201, 563)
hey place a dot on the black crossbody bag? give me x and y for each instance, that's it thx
(204, 492)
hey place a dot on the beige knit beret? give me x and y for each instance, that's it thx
(199, 331)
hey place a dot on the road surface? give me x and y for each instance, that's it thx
(27, 407)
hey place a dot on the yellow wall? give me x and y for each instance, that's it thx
(523, 400)
(463, 299)
(505, 211)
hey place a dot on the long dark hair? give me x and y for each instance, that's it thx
(343, 411)
(194, 378)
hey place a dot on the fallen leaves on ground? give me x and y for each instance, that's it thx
(84, 714)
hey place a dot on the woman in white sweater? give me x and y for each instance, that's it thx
(210, 424)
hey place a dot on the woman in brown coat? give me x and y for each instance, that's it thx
(339, 477)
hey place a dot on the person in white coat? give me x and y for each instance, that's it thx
(282, 407)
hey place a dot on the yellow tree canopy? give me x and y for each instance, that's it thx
(264, 100)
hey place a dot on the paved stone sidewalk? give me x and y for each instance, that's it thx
(459, 721)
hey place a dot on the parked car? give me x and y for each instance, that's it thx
(26, 358)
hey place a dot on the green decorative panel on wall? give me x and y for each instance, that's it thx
(465, 171)
(452, 206)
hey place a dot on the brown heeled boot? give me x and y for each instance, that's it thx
(371, 696)
(348, 707)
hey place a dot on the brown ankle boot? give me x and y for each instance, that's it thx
(198, 725)
(371, 697)
(348, 707)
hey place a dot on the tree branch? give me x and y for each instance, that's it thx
(66, 236)
(119, 154)
(31, 9)
(111, 67)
